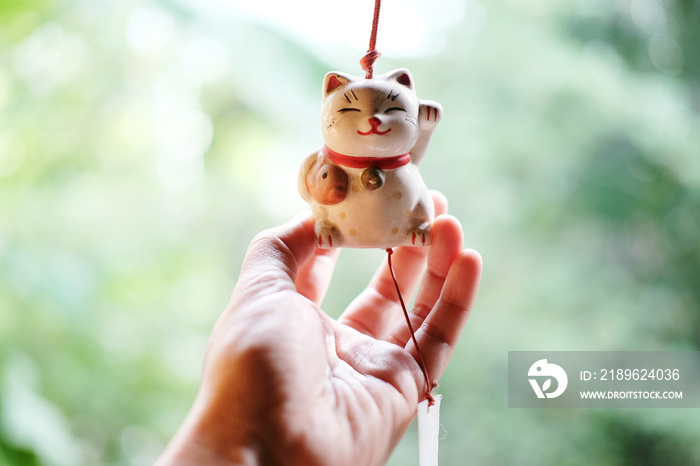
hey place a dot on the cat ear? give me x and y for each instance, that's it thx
(333, 81)
(402, 76)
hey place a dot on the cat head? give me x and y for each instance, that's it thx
(375, 117)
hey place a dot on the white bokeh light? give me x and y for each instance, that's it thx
(406, 27)
(666, 54)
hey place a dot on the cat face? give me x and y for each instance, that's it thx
(375, 117)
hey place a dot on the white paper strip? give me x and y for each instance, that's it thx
(428, 432)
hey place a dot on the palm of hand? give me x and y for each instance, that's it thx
(286, 384)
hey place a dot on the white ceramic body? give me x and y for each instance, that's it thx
(373, 120)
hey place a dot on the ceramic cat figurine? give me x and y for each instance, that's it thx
(363, 185)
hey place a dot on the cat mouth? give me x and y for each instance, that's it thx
(374, 130)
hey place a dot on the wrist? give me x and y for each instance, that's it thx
(212, 436)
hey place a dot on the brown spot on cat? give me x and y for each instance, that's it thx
(326, 182)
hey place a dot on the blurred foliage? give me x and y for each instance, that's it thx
(144, 143)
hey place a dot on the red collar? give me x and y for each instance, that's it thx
(385, 163)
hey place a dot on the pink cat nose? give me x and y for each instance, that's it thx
(374, 122)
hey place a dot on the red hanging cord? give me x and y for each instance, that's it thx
(367, 61)
(428, 383)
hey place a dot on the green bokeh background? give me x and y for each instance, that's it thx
(144, 143)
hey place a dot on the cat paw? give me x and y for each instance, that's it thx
(420, 236)
(430, 114)
(328, 236)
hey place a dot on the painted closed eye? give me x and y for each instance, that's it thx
(348, 109)
(394, 109)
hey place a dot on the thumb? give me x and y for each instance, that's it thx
(275, 255)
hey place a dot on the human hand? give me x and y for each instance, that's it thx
(283, 383)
